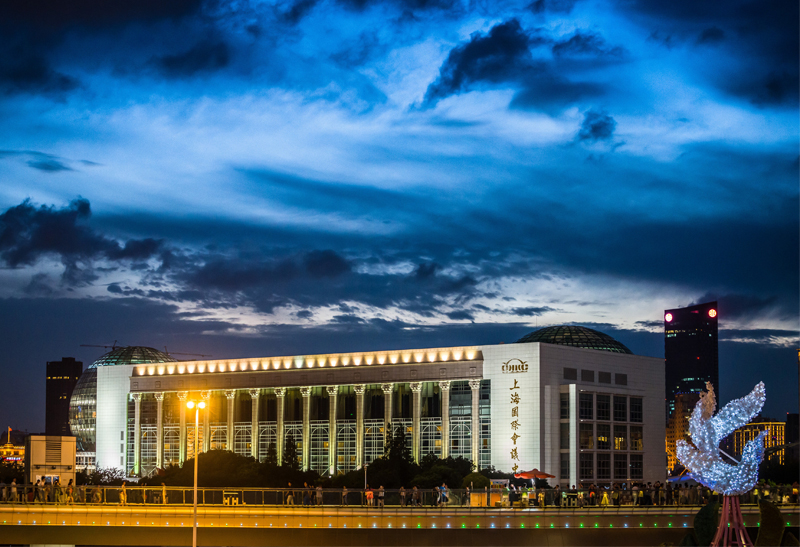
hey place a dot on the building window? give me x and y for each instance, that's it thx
(565, 436)
(604, 377)
(587, 436)
(585, 405)
(603, 437)
(564, 465)
(637, 467)
(587, 466)
(620, 437)
(636, 437)
(621, 379)
(603, 407)
(570, 373)
(587, 376)
(565, 406)
(620, 409)
(636, 409)
(621, 466)
(603, 466)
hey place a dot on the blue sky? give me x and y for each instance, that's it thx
(259, 178)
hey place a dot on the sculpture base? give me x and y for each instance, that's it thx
(731, 530)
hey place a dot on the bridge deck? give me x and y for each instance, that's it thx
(242, 525)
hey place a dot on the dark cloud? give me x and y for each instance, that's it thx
(597, 126)
(460, 315)
(711, 35)
(586, 44)
(553, 6)
(531, 311)
(48, 165)
(205, 56)
(304, 314)
(496, 57)
(28, 233)
(299, 9)
(743, 306)
(93, 14)
(28, 72)
(762, 38)
(504, 57)
(426, 271)
(325, 264)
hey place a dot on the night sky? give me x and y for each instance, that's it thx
(260, 178)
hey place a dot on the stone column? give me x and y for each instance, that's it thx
(182, 396)
(388, 391)
(231, 395)
(206, 395)
(159, 429)
(254, 433)
(137, 433)
(416, 388)
(444, 387)
(359, 389)
(333, 391)
(280, 393)
(475, 385)
(306, 393)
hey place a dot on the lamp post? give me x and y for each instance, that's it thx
(196, 407)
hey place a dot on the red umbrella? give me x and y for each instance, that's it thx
(534, 474)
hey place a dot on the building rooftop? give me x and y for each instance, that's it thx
(579, 337)
(132, 355)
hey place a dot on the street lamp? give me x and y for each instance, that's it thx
(196, 406)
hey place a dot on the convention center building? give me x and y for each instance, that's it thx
(567, 400)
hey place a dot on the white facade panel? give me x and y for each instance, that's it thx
(112, 408)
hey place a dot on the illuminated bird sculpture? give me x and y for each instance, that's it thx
(705, 464)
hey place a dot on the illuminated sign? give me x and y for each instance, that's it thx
(511, 367)
(668, 317)
(712, 313)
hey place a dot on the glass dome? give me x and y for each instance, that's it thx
(579, 337)
(83, 403)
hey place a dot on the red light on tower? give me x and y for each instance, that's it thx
(712, 313)
(668, 318)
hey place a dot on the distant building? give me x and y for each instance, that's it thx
(792, 437)
(62, 376)
(690, 351)
(776, 437)
(50, 458)
(565, 399)
(678, 424)
(12, 446)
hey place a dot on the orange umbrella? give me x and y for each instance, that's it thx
(534, 474)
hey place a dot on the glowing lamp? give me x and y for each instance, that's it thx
(668, 318)
(712, 313)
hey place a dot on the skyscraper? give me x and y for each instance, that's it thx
(61, 379)
(690, 351)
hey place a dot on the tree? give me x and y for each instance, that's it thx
(290, 453)
(271, 457)
(388, 443)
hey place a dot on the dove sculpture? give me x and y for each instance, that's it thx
(703, 460)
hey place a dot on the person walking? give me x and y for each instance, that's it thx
(289, 496)
(344, 496)
(402, 496)
(368, 495)
(70, 492)
(123, 494)
(12, 490)
(319, 494)
(415, 502)
(381, 495)
(164, 493)
(466, 499)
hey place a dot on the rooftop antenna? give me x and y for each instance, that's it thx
(178, 353)
(112, 346)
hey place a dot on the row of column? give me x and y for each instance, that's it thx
(280, 393)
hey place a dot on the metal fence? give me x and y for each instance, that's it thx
(336, 497)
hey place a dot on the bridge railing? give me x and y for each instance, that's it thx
(310, 497)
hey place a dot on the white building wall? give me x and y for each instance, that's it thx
(112, 414)
(529, 442)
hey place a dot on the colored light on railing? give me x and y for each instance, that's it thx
(477, 526)
(419, 526)
(670, 525)
(610, 525)
(640, 525)
(552, 525)
(463, 525)
(522, 526)
(595, 525)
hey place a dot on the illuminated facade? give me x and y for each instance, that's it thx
(690, 351)
(584, 415)
(678, 425)
(776, 432)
